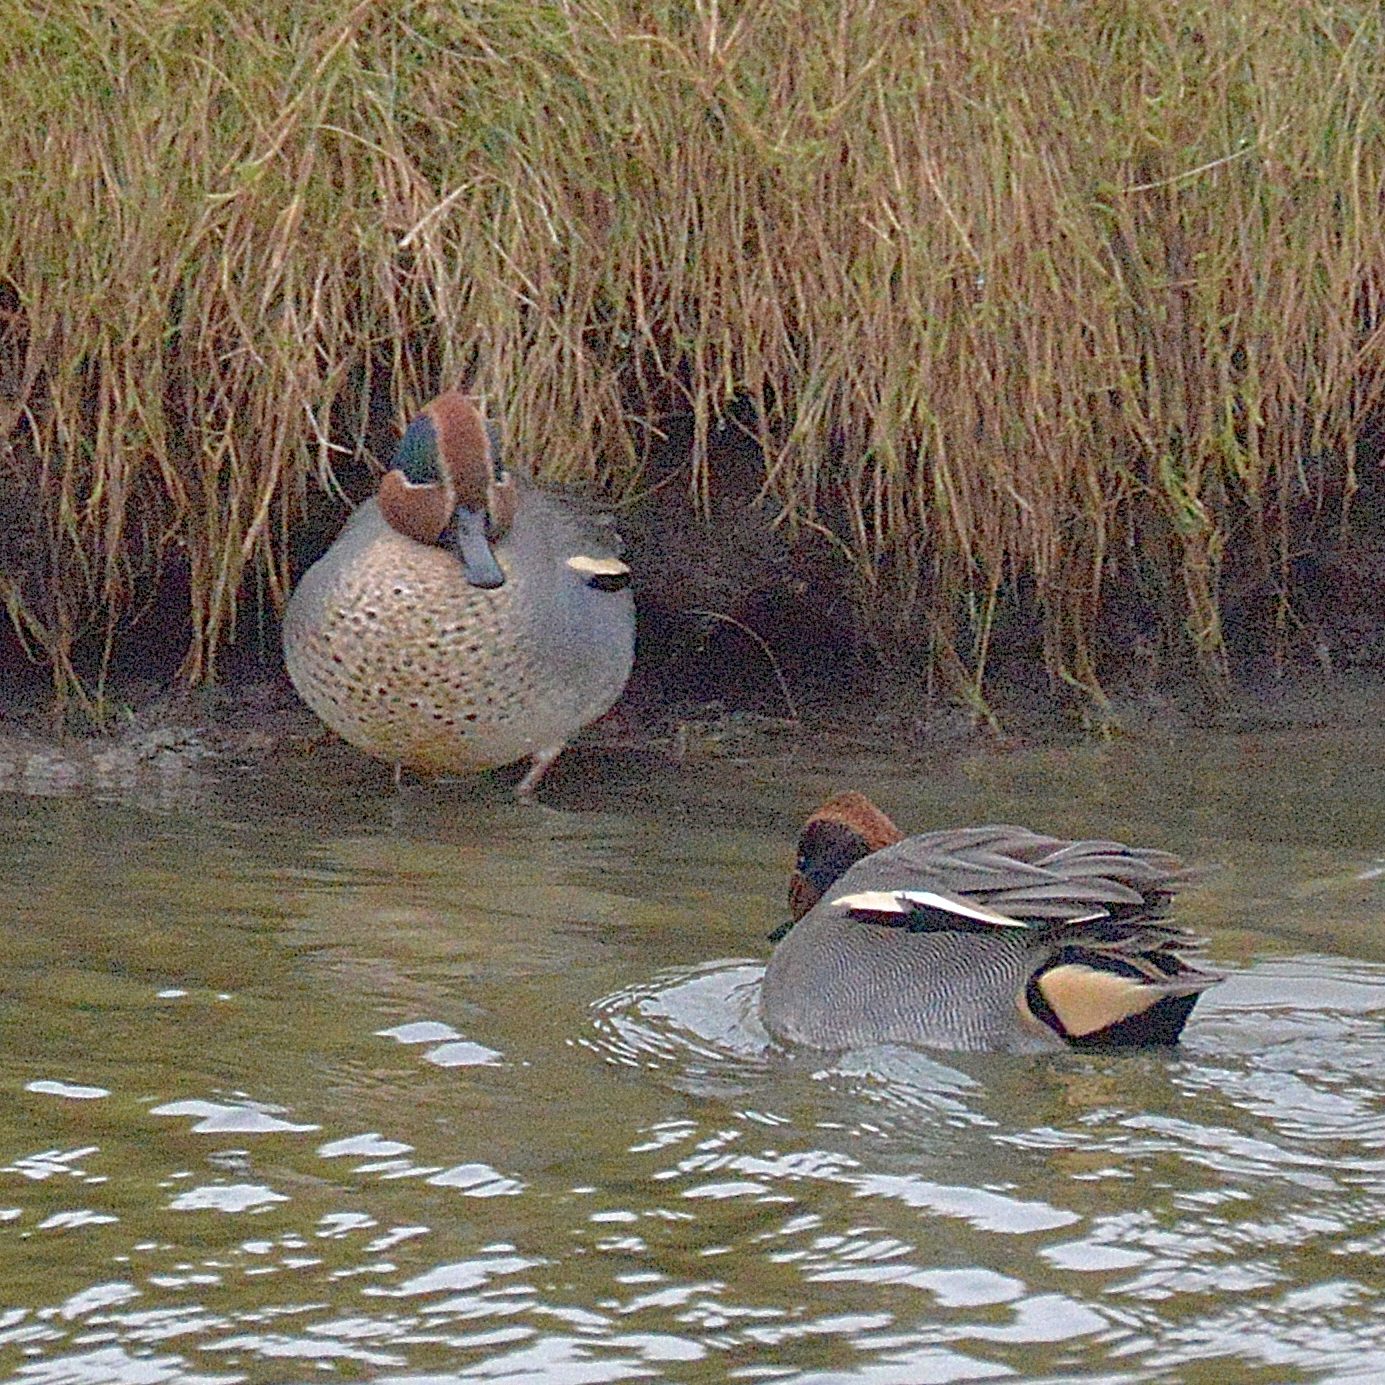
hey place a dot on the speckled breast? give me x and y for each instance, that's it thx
(386, 641)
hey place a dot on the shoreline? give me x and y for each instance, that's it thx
(176, 741)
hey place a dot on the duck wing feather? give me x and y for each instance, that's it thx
(1019, 873)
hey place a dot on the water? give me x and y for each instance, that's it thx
(309, 1080)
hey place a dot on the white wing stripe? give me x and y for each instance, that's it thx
(902, 901)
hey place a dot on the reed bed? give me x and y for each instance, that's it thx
(1023, 302)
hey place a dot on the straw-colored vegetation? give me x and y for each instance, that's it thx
(1016, 297)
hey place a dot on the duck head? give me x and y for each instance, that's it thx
(447, 486)
(846, 828)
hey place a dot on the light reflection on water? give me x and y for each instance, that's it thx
(437, 1088)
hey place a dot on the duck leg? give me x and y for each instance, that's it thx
(539, 765)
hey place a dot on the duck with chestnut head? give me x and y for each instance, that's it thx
(976, 938)
(464, 618)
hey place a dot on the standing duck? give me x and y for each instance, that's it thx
(463, 619)
(976, 938)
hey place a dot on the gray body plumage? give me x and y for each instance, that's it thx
(842, 978)
(390, 645)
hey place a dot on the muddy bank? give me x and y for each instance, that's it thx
(173, 743)
(751, 637)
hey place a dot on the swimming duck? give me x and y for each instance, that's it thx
(976, 938)
(463, 619)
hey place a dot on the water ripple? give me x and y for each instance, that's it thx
(226, 1118)
(226, 1197)
(413, 1149)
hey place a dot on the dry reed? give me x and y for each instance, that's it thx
(1026, 293)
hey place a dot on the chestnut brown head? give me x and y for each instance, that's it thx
(842, 831)
(447, 486)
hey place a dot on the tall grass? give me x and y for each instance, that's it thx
(1028, 295)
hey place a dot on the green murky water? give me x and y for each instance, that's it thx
(306, 1082)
